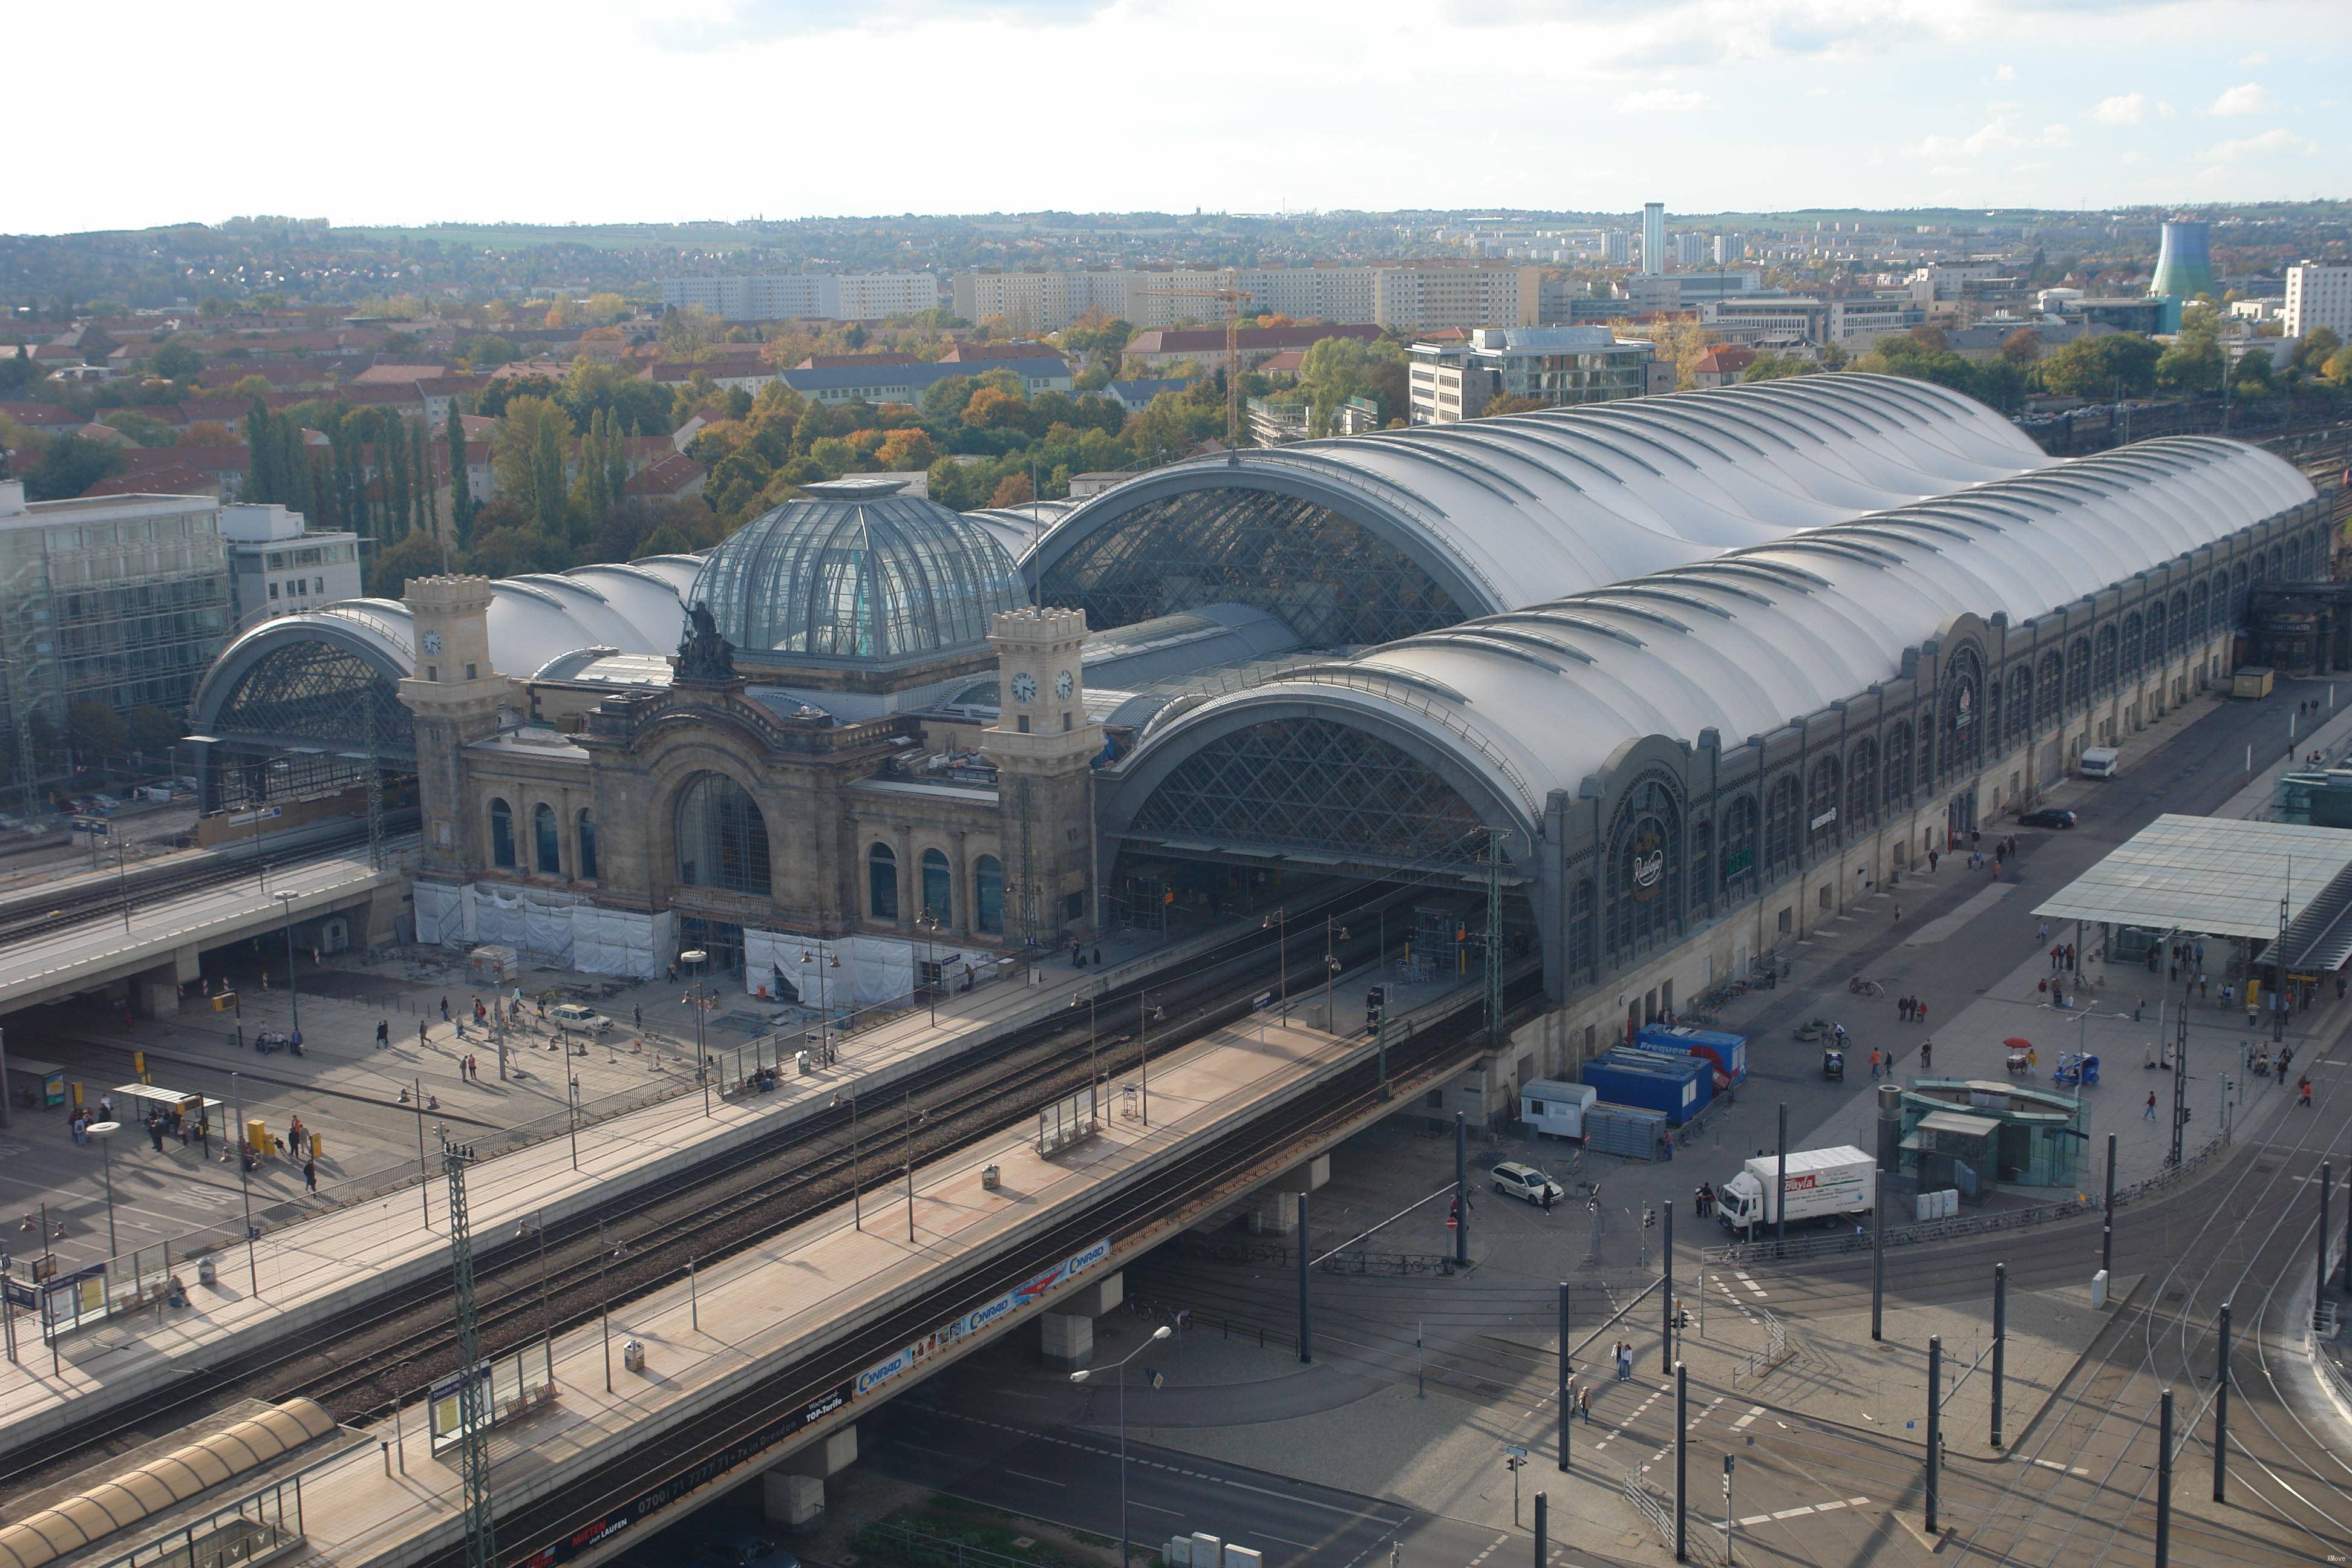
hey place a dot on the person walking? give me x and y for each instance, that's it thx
(2149, 1114)
(383, 1034)
(310, 1174)
(1918, 1012)
(2303, 1091)
(1584, 1403)
(1926, 1054)
(420, 1032)
(444, 1009)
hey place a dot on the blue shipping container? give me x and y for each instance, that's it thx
(1727, 1052)
(1677, 1087)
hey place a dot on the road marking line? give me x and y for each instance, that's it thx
(1045, 1481)
(1793, 1512)
(1857, 1502)
(1756, 1518)
(1826, 1507)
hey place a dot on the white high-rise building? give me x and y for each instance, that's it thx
(1412, 296)
(818, 296)
(1616, 247)
(1730, 247)
(1654, 238)
(2318, 296)
(1690, 248)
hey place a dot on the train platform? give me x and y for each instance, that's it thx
(309, 1266)
(388, 1498)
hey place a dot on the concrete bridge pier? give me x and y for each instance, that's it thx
(1068, 1334)
(792, 1494)
(1273, 1208)
(155, 993)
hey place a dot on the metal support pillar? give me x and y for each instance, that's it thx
(2164, 1482)
(2179, 1080)
(1682, 1463)
(1461, 1191)
(1543, 1529)
(2107, 1216)
(473, 1392)
(1781, 1193)
(2319, 1282)
(1934, 1422)
(1494, 936)
(2000, 1341)
(1877, 1267)
(1667, 1288)
(2222, 1407)
(1306, 1293)
(1566, 1399)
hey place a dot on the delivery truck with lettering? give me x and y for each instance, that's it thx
(1832, 1185)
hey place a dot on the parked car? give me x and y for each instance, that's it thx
(2050, 817)
(1514, 1180)
(570, 1018)
(742, 1549)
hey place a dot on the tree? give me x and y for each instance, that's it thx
(2193, 364)
(144, 428)
(2338, 369)
(2098, 367)
(1013, 489)
(515, 452)
(1337, 369)
(416, 555)
(461, 497)
(1504, 403)
(153, 731)
(1772, 367)
(548, 508)
(70, 464)
(175, 361)
(2318, 345)
(2023, 346)
(210, 433)
(97, 731)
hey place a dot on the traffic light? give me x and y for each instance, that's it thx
(1649, 1218)
(1375, 1002)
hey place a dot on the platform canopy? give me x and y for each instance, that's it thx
(2211, 876)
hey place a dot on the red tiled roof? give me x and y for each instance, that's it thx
(672, 475)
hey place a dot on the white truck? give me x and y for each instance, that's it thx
(1828, 1184)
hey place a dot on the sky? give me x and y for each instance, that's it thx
(603, 111)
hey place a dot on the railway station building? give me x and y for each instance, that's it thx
(1676, 678)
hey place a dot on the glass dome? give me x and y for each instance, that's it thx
(857, 572)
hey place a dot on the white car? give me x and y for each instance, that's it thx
(572, 1017)
(1514, 1180)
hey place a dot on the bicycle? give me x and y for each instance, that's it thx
(1864, 987)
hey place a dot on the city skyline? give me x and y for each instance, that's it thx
(1879, 106)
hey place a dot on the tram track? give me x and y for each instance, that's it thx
(532, 1283)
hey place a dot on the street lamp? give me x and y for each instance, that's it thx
(857, 1219)
(1081, 1376)
(1093, 994)
(1280, 919)
(927, 923)
(293, 984)
(1330, 972)
(105, 1132)
(695, 958)
(279, 767)
(572, 1094)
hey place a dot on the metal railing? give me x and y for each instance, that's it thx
(1660, 1514)
(1767, 1355)
(1811, 1247)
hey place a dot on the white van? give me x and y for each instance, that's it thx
(2098, 763)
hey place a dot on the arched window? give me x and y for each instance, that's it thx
(2278, 565)
(546, 843)
(1964, 697)
(502, 839)
(2199, 618)
(2078, 675)
(1739, 846)
(1580, 955)
(2238, 591)
(2180, 622)
(1989, 732)
(1644, 870)
(2020, 703)
(1780, 826)
(939, 899)
(988, 891)
(722, 839)
(2131, 653)
(587, 847)
(1823, 831)
(1861, 785)
(2155, 633)
(1898, 767)
(2049, 691)
(882, 883)
(1703, 866)
(2103, 662)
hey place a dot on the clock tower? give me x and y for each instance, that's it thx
(455, 697)
(1043, 746)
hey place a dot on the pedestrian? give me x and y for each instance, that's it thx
(155, 1131)
(444, 1009)
(2032, 1060)
(1873, 1062)
(1584, 1403)
(420, 1031)
(310, 1174)
(1918, 1012)
(1933, 855)
(640, 1012)
(1898, 914)
(1903, 1009)
(1926, 1054)
(2073, 961)
(2149, 1114)
(1995, 867)
(2041, 931)
(460, 1027)
(383, 1033)
(2301, 1090)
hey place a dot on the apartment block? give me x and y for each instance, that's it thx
(814, 296)
(2318, 296)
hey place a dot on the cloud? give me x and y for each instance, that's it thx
(2268, 144)
(738, 22)
(2246, 98)
(2256, 59)
(1996, 138)
(1660, 101)
(2164, 110)
(2005, 72)
(2123, 109)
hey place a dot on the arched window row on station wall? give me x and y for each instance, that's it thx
(1965, 708)
(2078, 675)
(546, 841)
(882, 882)
(2131, 643)
(1703, 870)
(2050, 690)
(722, 838)
(2199, 602)
(1742, 833)
(939, 887)
(502, 834)
(1824, 830)
(1783, 808)
(1861, 785)
(2179, 620)
(1898, 766)
(2105, 660)
(1332, 580)
(1644, 868)
(1315, 783)
(988, 896)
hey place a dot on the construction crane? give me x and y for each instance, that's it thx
(1233, 300)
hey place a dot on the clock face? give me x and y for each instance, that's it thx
(1024, 687)
(1064, 685)
(432, 642)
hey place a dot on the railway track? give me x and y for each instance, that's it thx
(1157, 1205)
(35, 916)
(542, 1281)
